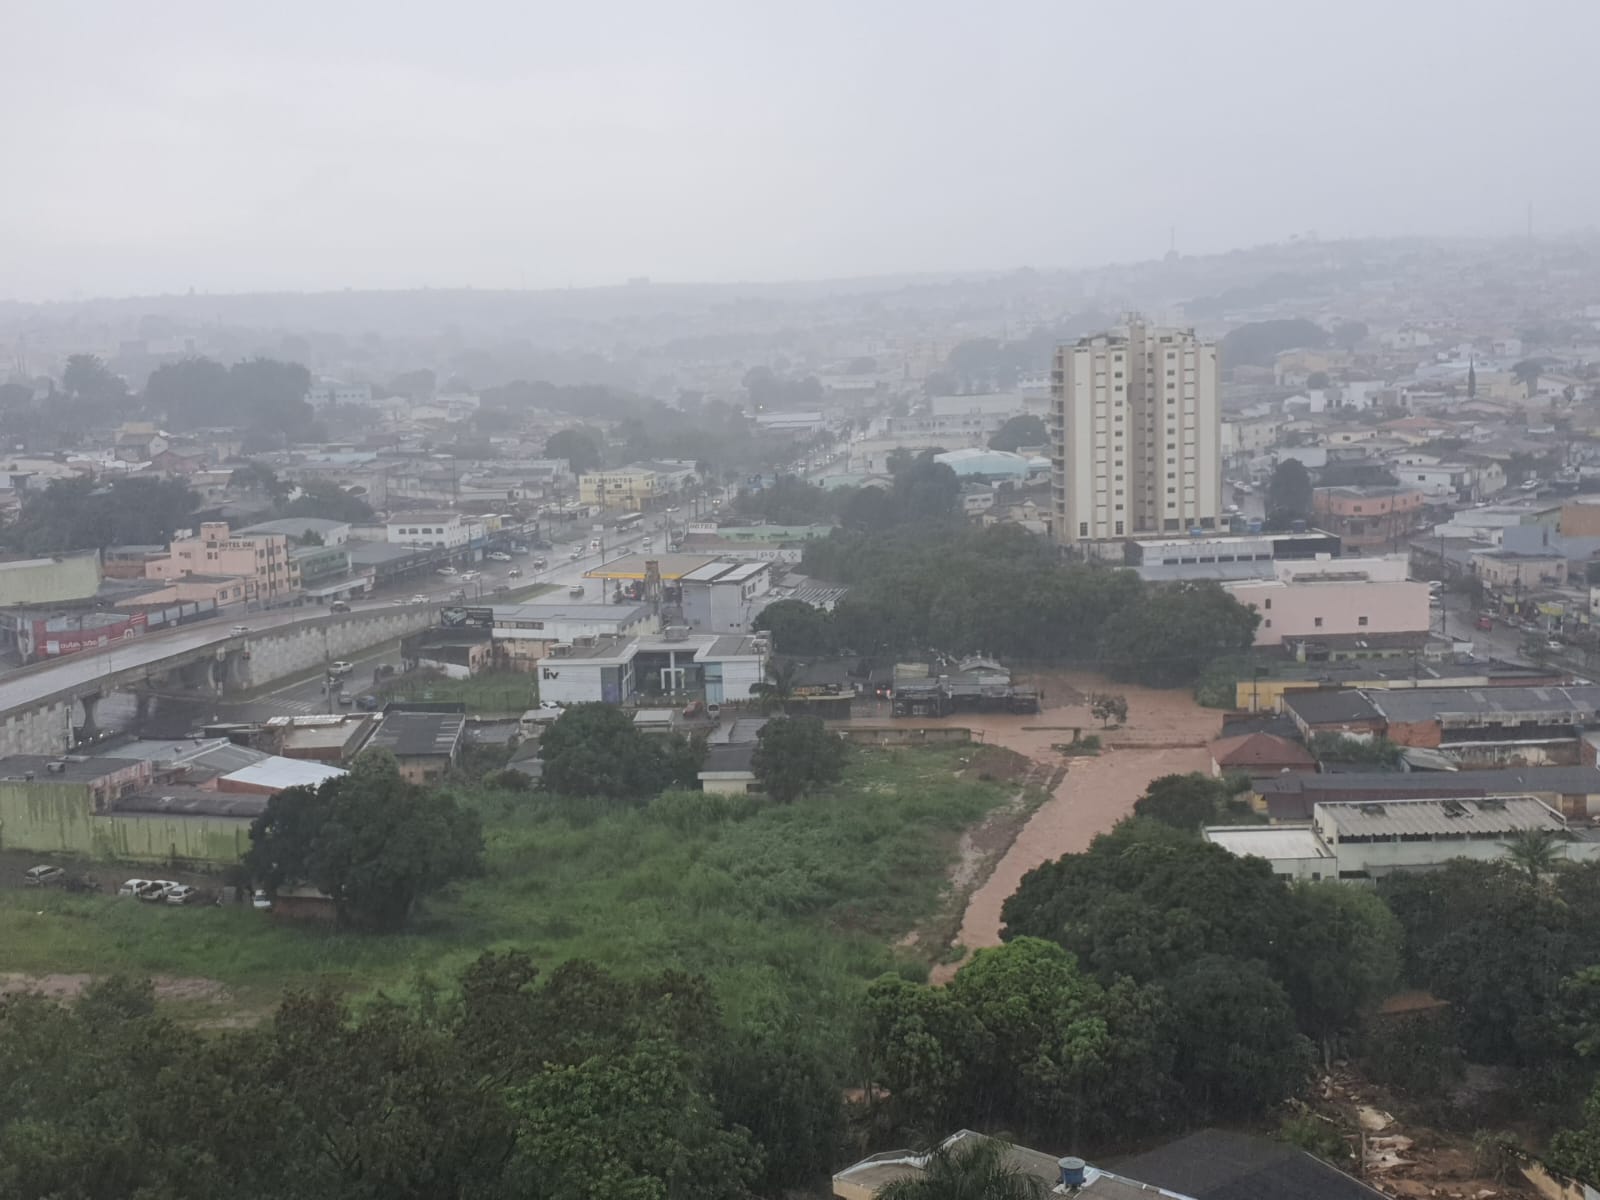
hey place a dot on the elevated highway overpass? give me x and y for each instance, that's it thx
(47, 708)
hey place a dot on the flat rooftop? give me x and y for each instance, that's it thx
(515, 614)
(1268, 841)
(19, 766)
(279, 773)
(419, 734)
(632, 566)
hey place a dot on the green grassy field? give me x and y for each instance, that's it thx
(799, 903)
(486, 692)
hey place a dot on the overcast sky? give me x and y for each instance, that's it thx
(342, 143)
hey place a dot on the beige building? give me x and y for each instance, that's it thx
(1136, 430)
(260, 559)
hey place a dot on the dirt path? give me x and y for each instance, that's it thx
(69, 987)
(1166, 733)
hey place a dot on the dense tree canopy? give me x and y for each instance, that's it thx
(796, 754)
(1026, 430)
(1169, 637)
(578, 1086)
(81, 514)
(1003, 591)
(1149, 902)
(577, 446)
(595, 750)
(1259, 342)
(261, 395)
(326, 500)
(789, 500)
(372, 841)
(798, 628)
(1182, 801)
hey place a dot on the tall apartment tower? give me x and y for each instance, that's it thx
(1136, 432)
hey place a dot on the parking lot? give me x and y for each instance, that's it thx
(14, 865)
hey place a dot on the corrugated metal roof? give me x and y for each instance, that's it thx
(413, 734)
(1467, 817)
(279, 773)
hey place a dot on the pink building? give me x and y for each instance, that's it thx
(1340, 599)
(261, 560)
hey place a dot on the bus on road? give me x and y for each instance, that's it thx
(630, 523)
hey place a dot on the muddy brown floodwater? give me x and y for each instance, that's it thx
(1166, 733)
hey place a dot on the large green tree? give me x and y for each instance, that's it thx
(371, 840)
(326, 500)
(798, 628)
(796, 755)
(1168, 638)
(595, 750)
(261, 395)
(81, 514)
(578, 1085)
(1239, 1053)
(1182, 801)
(1026, 430)
(1289, 494)
(578, 447)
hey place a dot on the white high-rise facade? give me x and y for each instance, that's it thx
(1136, 428)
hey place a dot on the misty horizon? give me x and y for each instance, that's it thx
(374, 148)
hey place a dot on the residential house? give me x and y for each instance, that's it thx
(1506, 571)
(1370, 517)
(436, 530)
(426, 744)
(1260, 754)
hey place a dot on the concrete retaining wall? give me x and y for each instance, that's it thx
(56, 819)
(902, 735)
(278, 654)
(44, 729)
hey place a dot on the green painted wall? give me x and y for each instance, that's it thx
(55, 818)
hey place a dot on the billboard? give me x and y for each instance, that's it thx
(60, 636)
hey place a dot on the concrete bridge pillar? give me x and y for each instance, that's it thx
(89, 730)
(141, 706)
(235, 672)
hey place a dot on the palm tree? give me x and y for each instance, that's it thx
(1536, 851)
(971, 1169)
(779, 688)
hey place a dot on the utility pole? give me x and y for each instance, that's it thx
(327, 671)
